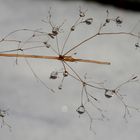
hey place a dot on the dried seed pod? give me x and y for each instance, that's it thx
(109, 93)
(81, 109)
(54, 75)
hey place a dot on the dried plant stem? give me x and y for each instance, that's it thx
(92, 61)
(98, 34)
(64, 58)
(29, 56)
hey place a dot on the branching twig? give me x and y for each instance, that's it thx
(64, 57)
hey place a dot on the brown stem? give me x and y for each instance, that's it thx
(64, 58)
(97, 34)
(29, 56)
(92, 61)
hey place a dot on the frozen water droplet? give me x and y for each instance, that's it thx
(65, 73)
(89, 21)
(108, 93)
(54, 75)
(81, 109)
(60, 87)
(107, 20)
(137, 45)
(72, 28)
(118, 20)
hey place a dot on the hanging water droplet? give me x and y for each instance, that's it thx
(107, 20)
(65, 73)
(54, 75)
(60, 87)
(72, 28)
(47, 45)
(118, 20)
(82, 14)
(137, 45)
(109, 93)
(81, 109)
(89, 21)
(3, 113)
(135, 77)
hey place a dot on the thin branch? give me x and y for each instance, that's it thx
(92, 61)
(30, 56)
(80, 44)
(66, 41)
(37, 77)
(30, 30)
(57, 45)
(97, 34)
(66, 58)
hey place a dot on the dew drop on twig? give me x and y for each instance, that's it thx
(88, 21)
(81, 109)
(137, 45)
(118, 20)
(54, 75)
(65, 74)
(72, 28)
(108, 93)
(60, 87)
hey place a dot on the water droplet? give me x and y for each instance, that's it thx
(54, 75)
(72, 28)
(137, 45)
(60, 87)
(55, 31)
(107, 20)
(82, 14)
(89, 21)
(108, 93)
(118, 20)
(65, 73)
(81, 109)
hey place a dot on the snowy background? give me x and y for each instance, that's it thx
(34, 113)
